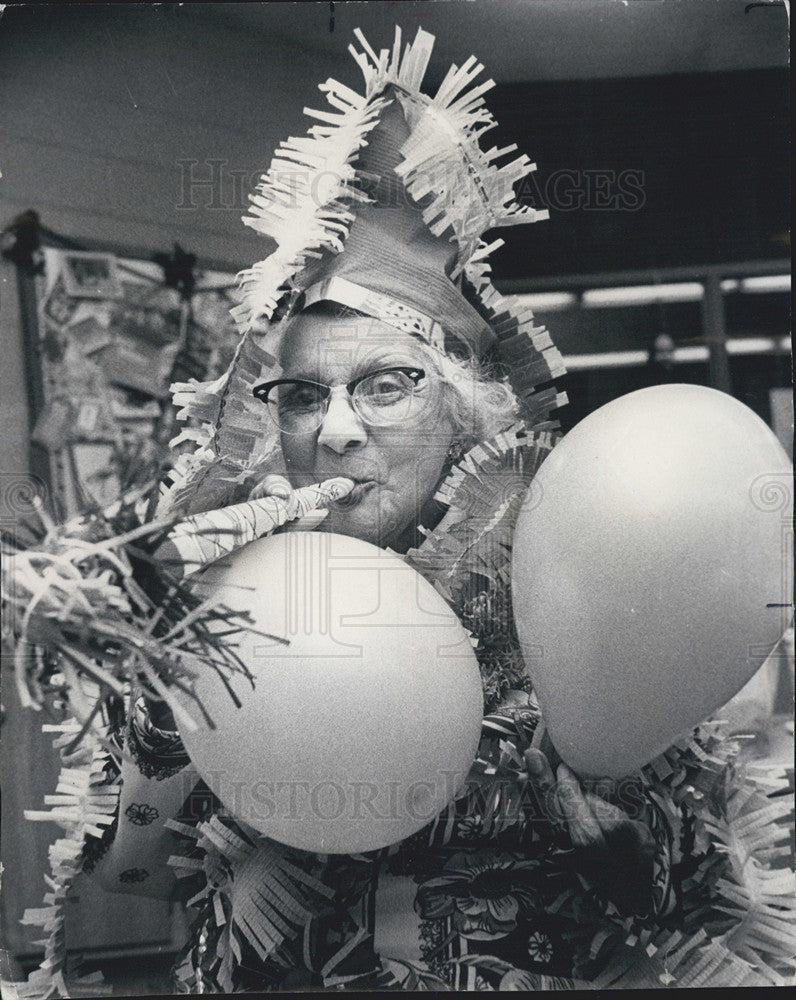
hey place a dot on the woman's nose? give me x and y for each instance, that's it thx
(342, 428)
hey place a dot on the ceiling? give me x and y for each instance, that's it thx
(539, 39)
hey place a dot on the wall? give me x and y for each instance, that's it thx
(100, 105)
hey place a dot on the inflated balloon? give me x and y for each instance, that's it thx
(363, 726)
(652, 571)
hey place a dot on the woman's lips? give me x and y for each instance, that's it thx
(355, 496)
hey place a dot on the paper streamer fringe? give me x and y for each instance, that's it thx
(307, 199)
(84, 804)
(254, 889)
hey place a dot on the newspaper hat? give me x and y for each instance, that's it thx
(381, 207)
(392, 265)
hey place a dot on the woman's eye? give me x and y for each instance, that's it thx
(388, 386)
(300, 397)
(385, 385)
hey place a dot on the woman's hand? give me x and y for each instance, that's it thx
(615, 847)
(280, 488)
(200, 539)
(203, 538)
(272, 486)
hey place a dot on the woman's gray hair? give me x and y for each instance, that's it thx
(479, 402)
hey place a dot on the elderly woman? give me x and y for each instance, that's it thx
(359, 401)
(389, 362)
(377, 355)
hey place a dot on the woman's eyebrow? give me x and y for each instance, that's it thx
(364, 366)
(388, 360)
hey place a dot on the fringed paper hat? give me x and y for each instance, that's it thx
(381, 207)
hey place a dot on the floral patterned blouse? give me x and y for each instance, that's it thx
(491, 895)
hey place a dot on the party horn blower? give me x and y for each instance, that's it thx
(204, 538)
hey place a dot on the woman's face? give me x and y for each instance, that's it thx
(397, 467)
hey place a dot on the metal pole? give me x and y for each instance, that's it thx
(716, 334)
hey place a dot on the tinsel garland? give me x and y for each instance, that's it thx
(84, 806)
(484, 493)
(467, 558)
(88, 600)
(524, 350)
(730, 921)
(95, 615)
(735, 919)
(228, 438)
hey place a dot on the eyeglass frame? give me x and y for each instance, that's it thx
(262, 391)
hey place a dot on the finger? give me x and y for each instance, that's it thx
(584, 830)
(308, 498)
(539, 770)
(617, 826)
(272, 486)
(608, 815)
(543, 782)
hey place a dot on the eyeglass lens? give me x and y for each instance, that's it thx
(385, 397)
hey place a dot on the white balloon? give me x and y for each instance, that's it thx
(362, 729)
(652, 573)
